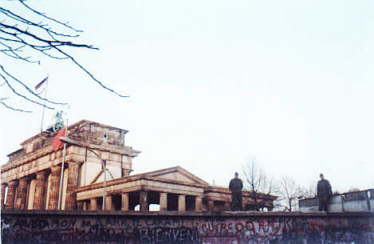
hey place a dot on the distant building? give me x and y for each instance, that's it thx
(357, 201)
(31, 178)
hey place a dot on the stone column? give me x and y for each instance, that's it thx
(143, 201)
(210, 205)
(198, 204)
(39, 190)
(93, 204)
(12, 186)
(84, 207)
(54, 188)
(3, 186)
(21, 194)
(109, 203)
(181, 203)
(125, 202)
(71, 202)
(163, 201)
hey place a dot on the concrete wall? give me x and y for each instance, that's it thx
(360, 201)
(212, 227)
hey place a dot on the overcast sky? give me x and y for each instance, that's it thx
(215, 84)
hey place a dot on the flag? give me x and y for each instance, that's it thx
(41, 83)
(56, 143)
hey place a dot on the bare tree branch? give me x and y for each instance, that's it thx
(29, 89)
(87, 72)
(258, 183)
(289, 193)
(47, 17)
(55, 42)
(45, 27)
(22, 37)
(24, 97)
(14, 109)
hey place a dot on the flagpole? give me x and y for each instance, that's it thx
(62, 169)
(45, 97)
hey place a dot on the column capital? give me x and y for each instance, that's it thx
(23, 180)
(72, 161)
(56, 168)
(12, 183)
(41, 175)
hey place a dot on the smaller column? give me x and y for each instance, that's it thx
(181, 203)
(125, 202)
(12, 186)
(109, 203)
(210, 205)
(85, 208)
(163, 201)
(3, 186)
(198, 204)
(93, 204)
(39, 190)
(143, 200)
(71, 186)
(21, 194)
(54, 188)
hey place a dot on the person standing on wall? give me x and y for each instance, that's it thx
(323, 193)
(236, 186)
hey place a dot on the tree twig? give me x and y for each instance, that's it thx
(21, 36)
(15, 109)
(29, 89)
(24, 97)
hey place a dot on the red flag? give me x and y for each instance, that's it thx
(56, 143)
(41, 83)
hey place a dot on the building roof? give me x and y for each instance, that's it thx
(81, 122)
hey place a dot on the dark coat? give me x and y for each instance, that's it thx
(323, 189)
(236, 184)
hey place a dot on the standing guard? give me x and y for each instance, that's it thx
(323, 193)
(236, 186)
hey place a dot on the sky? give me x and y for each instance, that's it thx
(214, 85)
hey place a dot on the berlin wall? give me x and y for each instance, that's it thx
(210, 227)
(358, 201)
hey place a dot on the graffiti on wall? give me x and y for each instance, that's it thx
(105, 229)
(183, 229)
(287, 230)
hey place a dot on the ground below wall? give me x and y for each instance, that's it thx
(191, 227)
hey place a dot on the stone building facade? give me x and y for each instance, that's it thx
(33, 176)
